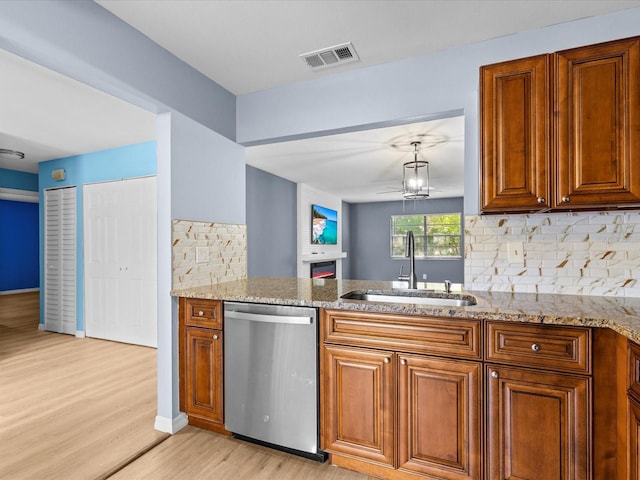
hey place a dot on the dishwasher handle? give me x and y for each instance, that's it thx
(261, 317)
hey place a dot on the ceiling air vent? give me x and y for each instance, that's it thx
(330, 57)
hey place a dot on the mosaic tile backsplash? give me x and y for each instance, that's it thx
(224, 246)
(596, 253)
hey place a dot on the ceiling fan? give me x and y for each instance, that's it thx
(415, 178)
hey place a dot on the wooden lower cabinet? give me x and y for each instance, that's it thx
(201, 362)
(203, 375)
(633, 445)
(538, 425)
(439, 412)
(428, 407)
(360, 403)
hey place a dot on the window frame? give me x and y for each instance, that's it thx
(424, 239)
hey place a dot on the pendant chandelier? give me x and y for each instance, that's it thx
(415, 177)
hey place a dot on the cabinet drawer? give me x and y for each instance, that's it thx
(203, 313)
(634, 370)
(558, 348)
(453, 337)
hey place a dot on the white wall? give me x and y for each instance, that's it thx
(308, 196)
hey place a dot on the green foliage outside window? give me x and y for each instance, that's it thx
(436, 235)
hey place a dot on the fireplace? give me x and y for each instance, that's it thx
(323, 269)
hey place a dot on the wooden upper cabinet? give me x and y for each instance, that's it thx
(598, 125)
(515, 118)
(562, 130)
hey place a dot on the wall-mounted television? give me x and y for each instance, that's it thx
(324, 226)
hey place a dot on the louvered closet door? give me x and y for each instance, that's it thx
(120, 261)
(60, 260)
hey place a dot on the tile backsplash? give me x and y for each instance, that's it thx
(595, 253)
(223, 247)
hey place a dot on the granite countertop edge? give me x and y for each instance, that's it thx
(620, 314)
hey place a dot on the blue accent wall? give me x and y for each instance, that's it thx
(18, 180)
(131, 161)
(19, 253)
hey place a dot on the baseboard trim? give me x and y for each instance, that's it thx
(80, 334)
(168, 425)
(22, 290)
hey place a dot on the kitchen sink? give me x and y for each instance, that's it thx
(415, 297)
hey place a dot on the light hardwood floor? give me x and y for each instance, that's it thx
(197, 454)
(84, 409)
(70, 408)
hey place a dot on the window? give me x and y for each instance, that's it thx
(436, 235)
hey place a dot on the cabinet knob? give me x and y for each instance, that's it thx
(535, 347)
(215, 337)
(201, 313)
(386, 360)
(494, 374)
(542, 200)
(565, 199)
(403, 362)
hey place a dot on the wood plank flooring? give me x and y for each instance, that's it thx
(197, 454)
(70, 408)
(84, 409)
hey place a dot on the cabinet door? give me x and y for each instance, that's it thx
(439, 412)
(203, 372)
(598, 125)
(515, 152)
(634, 439)
(538, 425)
(359, 403)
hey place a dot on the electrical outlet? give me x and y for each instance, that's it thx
(516, 253)
(202, 254)
(424, 276)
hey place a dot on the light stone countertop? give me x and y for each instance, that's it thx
(619, 314)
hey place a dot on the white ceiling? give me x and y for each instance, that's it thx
(47, 115)
(366, 166)
(251, 45)
(247, 46)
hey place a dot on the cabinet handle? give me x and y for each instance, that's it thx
(201, 313)
(215, 337)
(541, 200)
(565, 199)
(494, 374)
(535, 347)
(403, 362)
(386, 360)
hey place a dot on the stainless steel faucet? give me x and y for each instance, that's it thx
(410, 251)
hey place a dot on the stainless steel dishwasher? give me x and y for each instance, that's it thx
(271, 376)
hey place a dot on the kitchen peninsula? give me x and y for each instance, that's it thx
(619, 314)
(451, 392)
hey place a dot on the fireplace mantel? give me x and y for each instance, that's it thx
(323, 257)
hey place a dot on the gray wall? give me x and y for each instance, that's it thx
(370, 237)
(346, 240)
(271, 225)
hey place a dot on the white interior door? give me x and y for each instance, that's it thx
(60, 260)
(120, 262)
